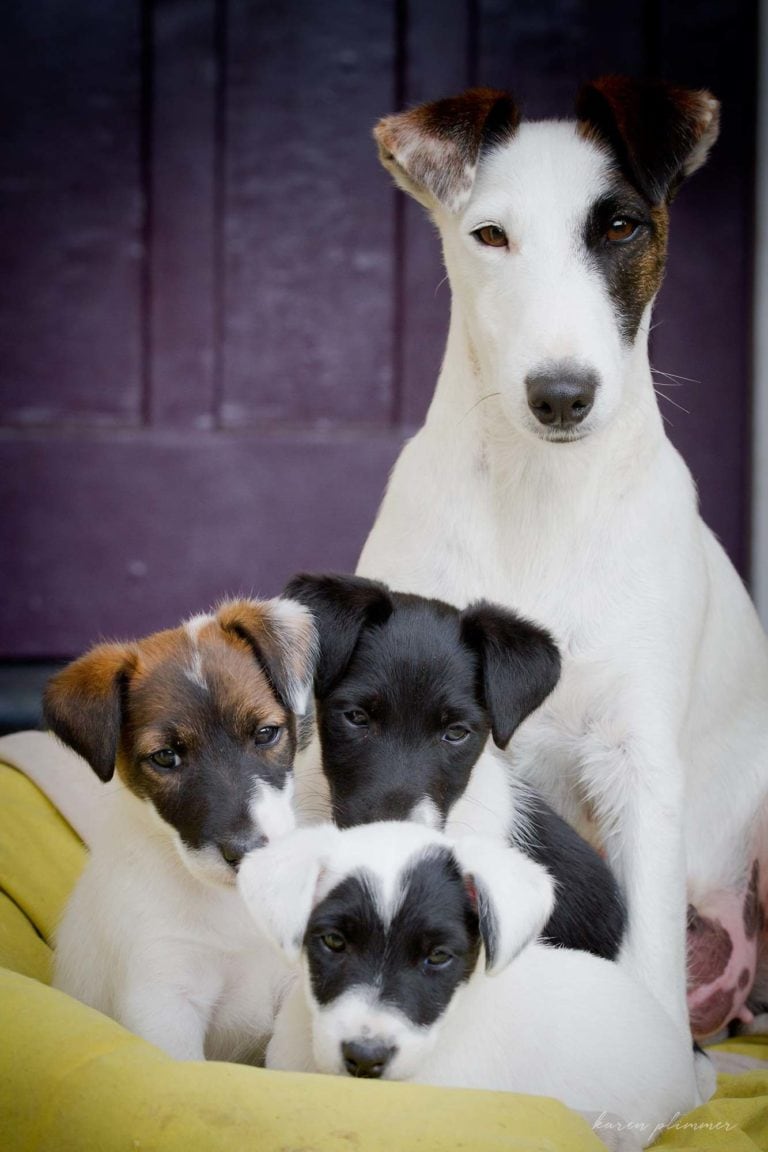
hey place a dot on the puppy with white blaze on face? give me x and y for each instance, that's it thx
(418, 962)
(199, 726)
(543, 480)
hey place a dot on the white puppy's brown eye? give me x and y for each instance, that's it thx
(621, 229)
(356, 717)
(491, 235)
(456, 734)
(438, 958)
(165, 758)
(269, 734)
(333, 941)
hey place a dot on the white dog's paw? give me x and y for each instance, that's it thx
(706, 1075)
(614, 1132)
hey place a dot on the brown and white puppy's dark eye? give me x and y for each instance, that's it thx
(621, 229)
(491, 235)
(267, 735)
(166, 759)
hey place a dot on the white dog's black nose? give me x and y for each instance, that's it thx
(233, 850)
(366, 1058)
(561, 397)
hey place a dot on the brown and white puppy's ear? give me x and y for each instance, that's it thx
(513, 896)
(519, 665)
(342, 606)
(433, 150)
(283, 638)
(82, 704)
(279, 884)
(660, 134)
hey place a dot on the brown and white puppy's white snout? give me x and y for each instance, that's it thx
(389, 921)
(201, 724)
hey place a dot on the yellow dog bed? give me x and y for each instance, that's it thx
(72, 1080)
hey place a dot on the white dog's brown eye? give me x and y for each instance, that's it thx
(456, 734)
(438, 958)
(621, 229)
(269, 734)
(491, 235)
(356, 717)
(333, 941)
(165, 758)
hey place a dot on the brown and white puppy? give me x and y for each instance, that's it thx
(200, 724)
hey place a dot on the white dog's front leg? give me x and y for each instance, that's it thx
(639, 787)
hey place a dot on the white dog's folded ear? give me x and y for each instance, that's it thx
(660, 134)
(278, 884)
(432, 151)
(282, 634)
(514, 897)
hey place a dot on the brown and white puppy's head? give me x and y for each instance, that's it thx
(554, 235)
(201, 722)
(390, 920)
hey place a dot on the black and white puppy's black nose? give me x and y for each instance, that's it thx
(366, 1058)
(235, 848)
(561, 397)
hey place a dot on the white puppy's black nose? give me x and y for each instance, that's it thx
(561, 397)
(234, 849)
(366, 1058)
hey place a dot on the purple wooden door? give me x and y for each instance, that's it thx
(218, 321)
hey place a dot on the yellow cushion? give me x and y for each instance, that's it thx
(71, 1080)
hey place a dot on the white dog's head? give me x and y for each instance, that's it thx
(554, 235)
(389, 920)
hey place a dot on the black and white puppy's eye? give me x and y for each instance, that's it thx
(456, 734)
(356, 717)
(268, 734)
(165, 758)
(621, 229)
(438, 958)
(333, 941)
(491, 235)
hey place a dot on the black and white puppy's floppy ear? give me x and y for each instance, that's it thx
(278, 884)
(513, 896)
(519, 664)
(82, 704)
(283, 638)
(341, 606)
(660, 134)
(433, 150)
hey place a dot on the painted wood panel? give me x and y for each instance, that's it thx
(72, 214)
(219, 320)
(308, 228)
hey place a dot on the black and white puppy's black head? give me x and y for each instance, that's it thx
(390, 920)
(201, 722)
(409, 689)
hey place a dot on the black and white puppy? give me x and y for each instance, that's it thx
(408, 691)
(419, 962)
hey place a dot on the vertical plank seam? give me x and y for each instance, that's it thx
(219, 210)
(147, 93)
(472, 42)
(399, 320)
